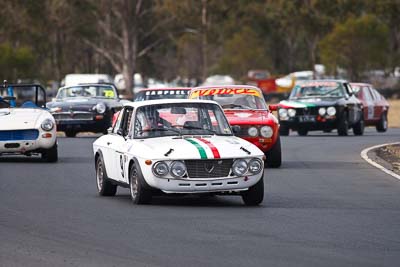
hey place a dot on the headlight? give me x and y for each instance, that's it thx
(252, 131)
(57, 109)
(291, 112)
(100, 108)
(255, 166)
(160, 169)
(239, 167)
(47, 125)
(266, 131)
(283, 113)
(331, 111)
(178, 169)
(322, 111)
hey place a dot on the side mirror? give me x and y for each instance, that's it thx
(236, 129)
(273, 107)
(109, 130)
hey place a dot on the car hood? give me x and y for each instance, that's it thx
(245, 117)
(80, 103)
(194, 147)
(309, 102)
(21, 118)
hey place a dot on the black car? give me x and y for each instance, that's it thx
(321, 105)
(85, 108)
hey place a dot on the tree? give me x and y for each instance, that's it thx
(251, 56)
(358, 44)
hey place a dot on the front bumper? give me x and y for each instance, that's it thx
(95, 123)
(26, 146)
(203, 185)
(318, 123)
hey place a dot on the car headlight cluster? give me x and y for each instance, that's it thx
(330, 111)
(47, 125)
(240, 166)
(177, 169)
(252, 131)
(266, 131)
(100, 108)
(284, 114)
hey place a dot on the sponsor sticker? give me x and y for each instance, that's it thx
(225, 91)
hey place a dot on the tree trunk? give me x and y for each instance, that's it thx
(204, 42)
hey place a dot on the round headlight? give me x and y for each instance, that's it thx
(47, 125)
(322, 111)
(252, 131)
(100, 108)
(255, 166)
(331, 111)
(160, 168)
(178, 169)
(239, 167)
(291, 112)
(266, 131)
(283, 113)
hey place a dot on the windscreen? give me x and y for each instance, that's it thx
(180, 119)
(87, 91)
(318, 89)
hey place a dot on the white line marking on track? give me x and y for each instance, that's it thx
(364, 155)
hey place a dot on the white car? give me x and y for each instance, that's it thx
(177, 146)
(26, 128)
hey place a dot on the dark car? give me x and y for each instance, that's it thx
(376, 107)
(162, 93)
(321, 105)
(85, 108)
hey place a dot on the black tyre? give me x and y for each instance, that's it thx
(284, 130)
(255, 195)
(382, 125)
(358, 128)
(70, 133)
(302, 131)
(139, 194)
(104, 185)
(274, 155)
(343, 125)
(51, 154)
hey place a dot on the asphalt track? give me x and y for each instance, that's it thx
(326, 206)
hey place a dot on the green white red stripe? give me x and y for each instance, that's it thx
(199, 143)
(294, 104)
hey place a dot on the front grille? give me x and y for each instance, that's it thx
(208, 168)
(17, 135)
(307, 111)
(85, 116)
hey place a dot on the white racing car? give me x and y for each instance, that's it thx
(26, 128)
(177, 146)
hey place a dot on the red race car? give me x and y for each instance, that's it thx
(245, 106)
(376, 107)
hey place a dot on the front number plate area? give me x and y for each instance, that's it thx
(307, 118)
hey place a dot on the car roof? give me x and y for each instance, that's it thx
(88, 84)
(165, 89)
(167, 101)
(325, 80)
(225, 86)
(360, 84)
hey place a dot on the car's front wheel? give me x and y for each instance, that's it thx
(51, 154)
(139, 194)
(255, 194)
(302, 131)
(358, 128)
(383, 123)
(343, 125)
(104, 186)
(274, 155)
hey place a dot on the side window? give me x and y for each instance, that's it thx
(123, 124)
(118, 122)
(367, 94)
(375, 94)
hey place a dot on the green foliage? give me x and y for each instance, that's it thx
(358, 44)
(16, 62)
(244, 51)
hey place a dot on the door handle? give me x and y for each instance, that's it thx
(109, 143)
